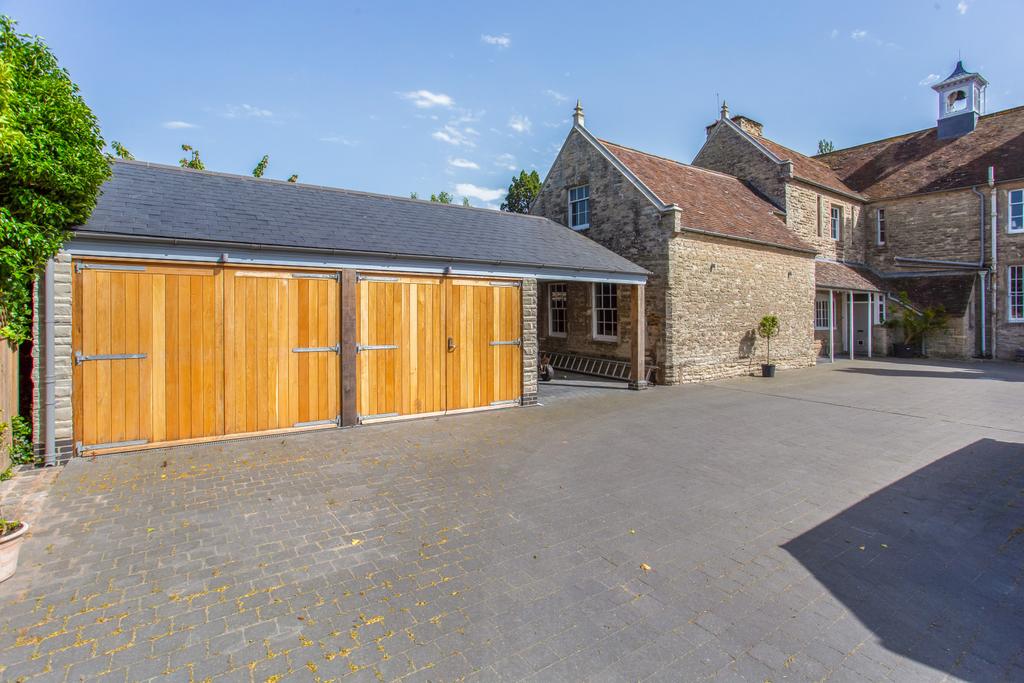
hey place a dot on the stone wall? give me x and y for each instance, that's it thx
(529, 341)
(808, 215)
(622, 219)
(721, 289)
(579, 323)
(64, 435)
(729, 152)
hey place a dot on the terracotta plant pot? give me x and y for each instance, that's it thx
(10, 546)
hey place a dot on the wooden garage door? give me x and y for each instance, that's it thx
(484, 364)
(400, 346)
(282, 350)
(147, 362)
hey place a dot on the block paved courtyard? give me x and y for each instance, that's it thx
(862, 521)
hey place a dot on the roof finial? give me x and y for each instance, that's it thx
(577, 114)
(725, 110)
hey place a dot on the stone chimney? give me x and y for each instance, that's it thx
(749, 126)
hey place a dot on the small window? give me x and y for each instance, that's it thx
(837, 221)
(579, 207)
(1016, 211)
(880, 309)
(1015, 293)
(558, 323)
(606, 312)
(880, 226)
(821, 312)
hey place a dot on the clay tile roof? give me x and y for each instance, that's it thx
(832, 275)
(710, 201)
(920, 162)
(806, 167)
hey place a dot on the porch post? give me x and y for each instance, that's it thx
(850, 322)
(831, 326)
(638, 340)
(348, 349)
(871, 319)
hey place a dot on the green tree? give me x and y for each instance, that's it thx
(522, 192)
(261, 167)
(120, 151)
(465, 201)
(825, 146)
(293, 178)
(51, 168)
(441, 197)
(767, 329)
(414, 195)
(192, 162)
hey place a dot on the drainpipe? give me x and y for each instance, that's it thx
(981, 262)
(992, 246)
(49, 378)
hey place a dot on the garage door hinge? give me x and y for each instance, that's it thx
(317, 349)
(81, 358)
(514, 342)
(316, 276)
(505, 284)
(79, 267)
(375, 347)
(114, 444)
(374, 278)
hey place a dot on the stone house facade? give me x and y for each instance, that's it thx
(719, 255)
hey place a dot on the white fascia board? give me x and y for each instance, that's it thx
(195, 252)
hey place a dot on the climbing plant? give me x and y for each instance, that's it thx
(51, 168)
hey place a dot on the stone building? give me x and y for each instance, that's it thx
(719, 254)
(829, 243)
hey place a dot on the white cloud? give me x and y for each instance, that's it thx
(454, 136)
(463, 163)
(482, 193)
(961, 7)
(424, 99)
(929, 79)
(520, 124)
(339, 140)
(178, 125)
(834, 34)
(506, 161)
(501, 41)
(237, 111)
(556, 96)
(859, 34)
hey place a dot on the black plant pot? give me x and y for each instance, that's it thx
(767, 370)
(903, 350)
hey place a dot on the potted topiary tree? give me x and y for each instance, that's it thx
(766, 329)
(12, 532)
(915, 326)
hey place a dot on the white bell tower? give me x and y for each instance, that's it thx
(961, 102)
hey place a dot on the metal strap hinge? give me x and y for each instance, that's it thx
(317, 276)
(514, 342)
(81, 358)
(505, 284)
(114, 444)
(79, 267)
(375, 347)
(317, 349)
(375, 278)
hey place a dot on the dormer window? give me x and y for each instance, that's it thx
(579, 207)
(956, 101)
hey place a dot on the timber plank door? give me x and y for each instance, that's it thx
(147, 362)
(484, 343)
(399, 347)
(281, 347)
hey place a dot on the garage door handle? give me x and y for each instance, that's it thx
(451, 344)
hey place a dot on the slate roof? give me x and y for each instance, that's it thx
(920, 162)
(710, 201)
(832, 275)
(951, 292)
(143, 199)
(807, 168)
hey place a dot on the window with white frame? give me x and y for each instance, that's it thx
(821, 312)
(579, 207)
(558, 323)
(606, 312)
(880, 226)
(1016, 223)
(837, 221)
(880, 309)
(1015, 293)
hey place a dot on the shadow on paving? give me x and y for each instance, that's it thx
(938, 374)
(933, 563)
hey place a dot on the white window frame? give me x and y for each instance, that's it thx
(565, 290)
(1012, 292)
(819, 300)
(880, 312)
(880, 227)
(1010, 204)
(835, 219)
(594, 309)
(579, 226)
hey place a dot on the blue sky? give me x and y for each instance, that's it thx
(396, 97)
